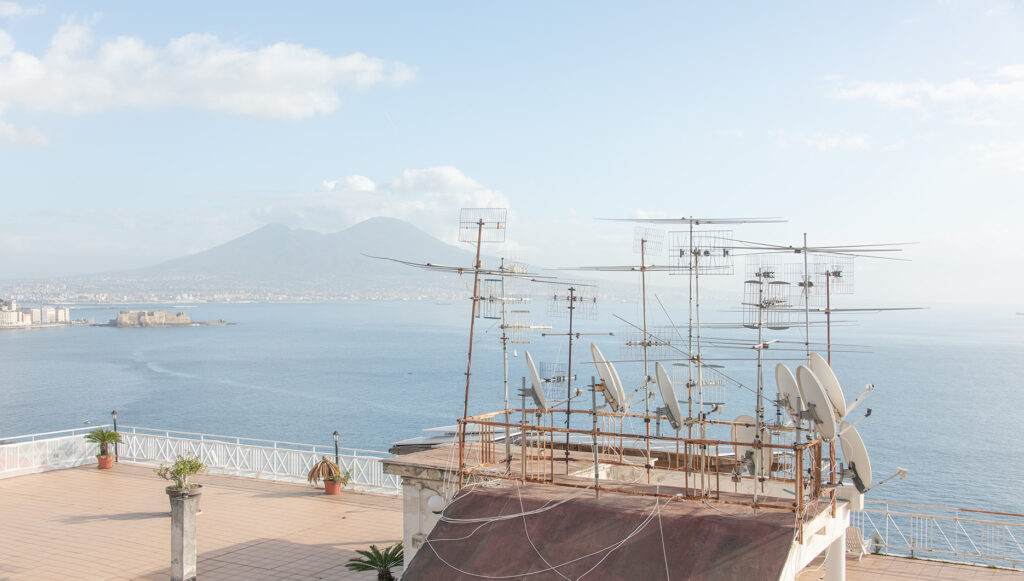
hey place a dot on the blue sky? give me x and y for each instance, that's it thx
(131, 133)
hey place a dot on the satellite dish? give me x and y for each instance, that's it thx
(788, 390)
(748, 433)
(538, 388)
(856, 456)
(668, 395)
(613, 392)
(828, 380)
(816, 399)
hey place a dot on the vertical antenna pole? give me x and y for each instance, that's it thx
(522, 438)
(807, 302)
(700, 376)
(647, 383)
(828, 314)
(759, 407)
(593, 403)
(568, 383)
(760, 351)
(699, 357)
(469, 357)
(504, 358)
(689, 345)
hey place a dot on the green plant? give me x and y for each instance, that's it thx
(381, 562)
(104, 438)
(181, 470)
(327, 471)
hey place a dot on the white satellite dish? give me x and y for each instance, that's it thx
(856, 456)
(748, 433)
(828, 380)
(538, 387)
(613, 392)
(789, 391)
(816, 399)
(668, 395)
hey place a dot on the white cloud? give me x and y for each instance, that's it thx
(430, 198)
(1005, 86)
(30, 136)
(353, 183)
(1004, 155)
(281, 80)
(6, 44)
(9, 9)
(825, 142)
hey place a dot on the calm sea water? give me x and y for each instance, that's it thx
(947, 404)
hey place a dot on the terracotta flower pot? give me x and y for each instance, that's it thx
(332, 487)
(104, 462)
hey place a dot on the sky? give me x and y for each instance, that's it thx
(132, 133)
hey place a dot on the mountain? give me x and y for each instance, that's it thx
(277, 262)
(277, 253)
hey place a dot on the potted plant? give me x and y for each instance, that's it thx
(334, 478)
(179, 472)
(105, 438)
(381, 562)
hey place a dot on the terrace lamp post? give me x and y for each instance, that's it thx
(113, 415)
(337, 460)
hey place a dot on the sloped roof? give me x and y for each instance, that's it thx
(619, 536)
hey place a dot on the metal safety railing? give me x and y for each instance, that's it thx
(691, 468)
(254, 458)
(31, 453)
(942, 533)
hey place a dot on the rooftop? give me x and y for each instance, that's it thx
(84, 523)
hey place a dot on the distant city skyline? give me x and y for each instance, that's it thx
(132, 134)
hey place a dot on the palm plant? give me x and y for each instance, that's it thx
(381, 562)
(105, 438)
(327, 471)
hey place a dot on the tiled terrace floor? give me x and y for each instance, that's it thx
(873, 567)
(91, 524)
(87, 524)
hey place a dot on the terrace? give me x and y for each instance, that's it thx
(63, 519)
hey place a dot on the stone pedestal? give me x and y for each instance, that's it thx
(183, 537)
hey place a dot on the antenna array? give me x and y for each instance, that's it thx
(659, 343)
(482, 225)
(708, 251)
(577, 295)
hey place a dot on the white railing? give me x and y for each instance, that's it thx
(944, 533)
(33, 453)
(253, 458)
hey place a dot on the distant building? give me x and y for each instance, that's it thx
(13, 316)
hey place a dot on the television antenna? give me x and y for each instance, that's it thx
(765, 304)
(832, 264)
(571, 299)
(476, 226)
(646, 240)
(493, 304)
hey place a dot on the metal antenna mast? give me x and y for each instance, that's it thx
(580, 300)
(494, 301)
(470, 220)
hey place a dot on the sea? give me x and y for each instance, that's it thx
(947, 404)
